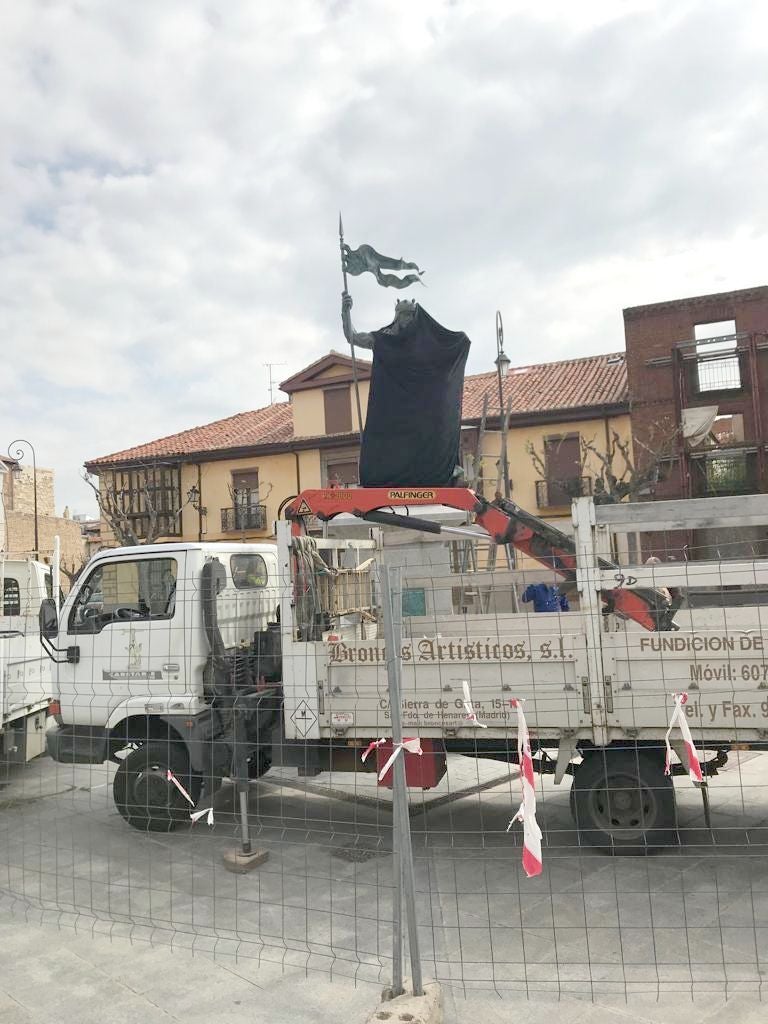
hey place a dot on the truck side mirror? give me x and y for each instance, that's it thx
(49, 622)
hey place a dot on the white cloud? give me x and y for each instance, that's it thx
(171, 173)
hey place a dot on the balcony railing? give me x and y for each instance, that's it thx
(245, 517)
(560, 493)
(724, 472)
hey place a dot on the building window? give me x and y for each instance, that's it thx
(727, 474)
(141, 493)
(125, 591)
(338, 410)
(11, 597)
(245, 488)
(247, 513)
(721, 473)
(342, 473)
(728, 429)
(717, 363)
(562, 458)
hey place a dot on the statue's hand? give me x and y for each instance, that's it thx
(346, 303)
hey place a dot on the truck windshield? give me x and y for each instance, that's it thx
(115, 591)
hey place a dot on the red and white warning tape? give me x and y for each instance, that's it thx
(692, 758)
(172, 778)
(371, 747)
(194, 815)
(532, 862)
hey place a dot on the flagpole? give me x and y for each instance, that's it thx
(351, 339)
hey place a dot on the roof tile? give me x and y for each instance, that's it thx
(272, 424)
(546, 387)
(549, 387)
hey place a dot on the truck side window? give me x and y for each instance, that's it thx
(136, 590)
(248, 571)
(11, 597)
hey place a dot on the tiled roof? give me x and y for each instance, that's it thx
(594, 381)
(549, 387)
(271, 425)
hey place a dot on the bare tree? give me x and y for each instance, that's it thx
(621, 475)
(73, 570)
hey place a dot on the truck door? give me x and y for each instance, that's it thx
(127, 620)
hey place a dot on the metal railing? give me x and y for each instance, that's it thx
(725, 471)
(247, 517)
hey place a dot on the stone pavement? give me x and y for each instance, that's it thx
(89, 902)
(55, 976)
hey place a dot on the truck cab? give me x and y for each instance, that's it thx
(137, 645)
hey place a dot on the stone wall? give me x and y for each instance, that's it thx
(20, 528)
(23, 491)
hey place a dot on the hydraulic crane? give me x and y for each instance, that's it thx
(503, 520)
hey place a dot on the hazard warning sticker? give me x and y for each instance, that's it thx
(303, 509)
(303, 718)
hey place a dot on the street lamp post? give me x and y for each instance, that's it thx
(17, 453)
(502, 362)
(193, 497)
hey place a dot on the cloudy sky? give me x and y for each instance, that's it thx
(171, 173)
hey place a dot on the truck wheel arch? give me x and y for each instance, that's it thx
(141, 729)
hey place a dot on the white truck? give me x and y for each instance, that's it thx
(26, 677)
(194, 658)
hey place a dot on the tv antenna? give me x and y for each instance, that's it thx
(272, 381)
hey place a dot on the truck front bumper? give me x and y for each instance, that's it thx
(77, 744)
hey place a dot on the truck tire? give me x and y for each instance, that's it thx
(143, 794)
(623, 803)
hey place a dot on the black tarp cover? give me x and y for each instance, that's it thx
(413, 426)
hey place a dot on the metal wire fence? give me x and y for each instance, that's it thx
(650, 883)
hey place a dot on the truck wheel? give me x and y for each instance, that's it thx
(623, 802)
(259, 764)
(142, 792)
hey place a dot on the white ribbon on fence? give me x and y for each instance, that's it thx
(471, 714)
(197, 815)
(411, 743)
(692, 758)
(532, 861)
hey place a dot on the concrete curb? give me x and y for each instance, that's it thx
(410, 1009)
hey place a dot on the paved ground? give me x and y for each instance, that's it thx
(53, 976)
(689, 923)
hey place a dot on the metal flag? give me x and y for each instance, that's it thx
(365, 259)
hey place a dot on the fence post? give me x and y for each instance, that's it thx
(404, 876)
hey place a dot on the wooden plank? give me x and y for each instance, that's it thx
(685, 514)
(685, 574)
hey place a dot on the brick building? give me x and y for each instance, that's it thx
(698, 388)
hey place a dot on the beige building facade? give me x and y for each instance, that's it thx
(231, 479)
